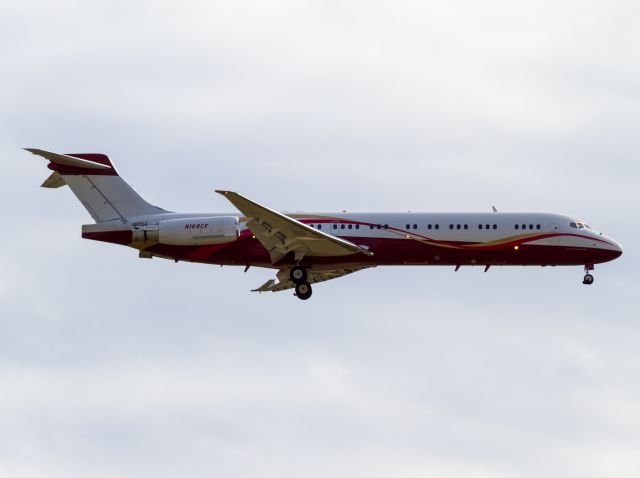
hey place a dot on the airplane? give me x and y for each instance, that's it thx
(307, 248)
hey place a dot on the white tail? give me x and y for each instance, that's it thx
(96, 183)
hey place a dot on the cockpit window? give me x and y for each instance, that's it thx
(579, 225)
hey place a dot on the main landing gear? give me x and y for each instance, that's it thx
(588, 278)
(303, 291)
(298, 276)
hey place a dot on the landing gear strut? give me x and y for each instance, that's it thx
(303, 291)
(588, 278)
(298, 275)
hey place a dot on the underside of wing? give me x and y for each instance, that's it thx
(281, 234)
(283, 281)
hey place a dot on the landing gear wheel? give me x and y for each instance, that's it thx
(588, 278)
(298, 275)
(303, 291)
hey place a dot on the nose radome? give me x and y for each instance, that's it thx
(619, 246)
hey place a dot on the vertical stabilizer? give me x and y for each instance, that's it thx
(96, 183)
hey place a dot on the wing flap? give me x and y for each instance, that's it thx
(313, 277)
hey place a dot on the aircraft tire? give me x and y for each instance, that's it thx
(588, 279)
(303, 291)
(298, 275)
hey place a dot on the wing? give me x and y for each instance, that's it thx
(283, 282)
(280, 234)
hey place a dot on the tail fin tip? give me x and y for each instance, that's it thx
(76, 162)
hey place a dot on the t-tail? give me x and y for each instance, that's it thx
(96, 183)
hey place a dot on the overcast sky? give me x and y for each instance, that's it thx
(113, 366)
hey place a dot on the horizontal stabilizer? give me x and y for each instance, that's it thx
(66, 160)
(54, 181)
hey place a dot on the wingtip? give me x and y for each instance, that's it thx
(220, 191)
(265, 287)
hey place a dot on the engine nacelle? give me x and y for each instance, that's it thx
(199, 231)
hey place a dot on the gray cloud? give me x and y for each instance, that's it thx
(115, 366)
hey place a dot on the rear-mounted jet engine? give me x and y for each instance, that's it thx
(194, 231)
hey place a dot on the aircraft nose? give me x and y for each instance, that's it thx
(619, 248)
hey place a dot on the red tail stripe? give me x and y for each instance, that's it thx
(95, 157)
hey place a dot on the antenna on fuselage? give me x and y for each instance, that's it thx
(494, 209)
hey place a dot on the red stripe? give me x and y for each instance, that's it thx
(461, 244)
(95, 157)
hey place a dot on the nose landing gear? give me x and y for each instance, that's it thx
(588, 278)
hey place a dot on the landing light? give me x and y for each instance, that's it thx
(516, 247)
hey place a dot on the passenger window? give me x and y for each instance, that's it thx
(517, 227)
(437, 226)
(379, 226)
(466, 226)
(335, 226)
(537, 226)
(495, 226)
(450, 226)
(429, 226)
(341, 226)
(524, 226)
(457, 226)
(350, 226)
(530, 226)
(415, 226)
(408, 227)
(357, 226)
(319, 226)
(479, 226)
(386, 226)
